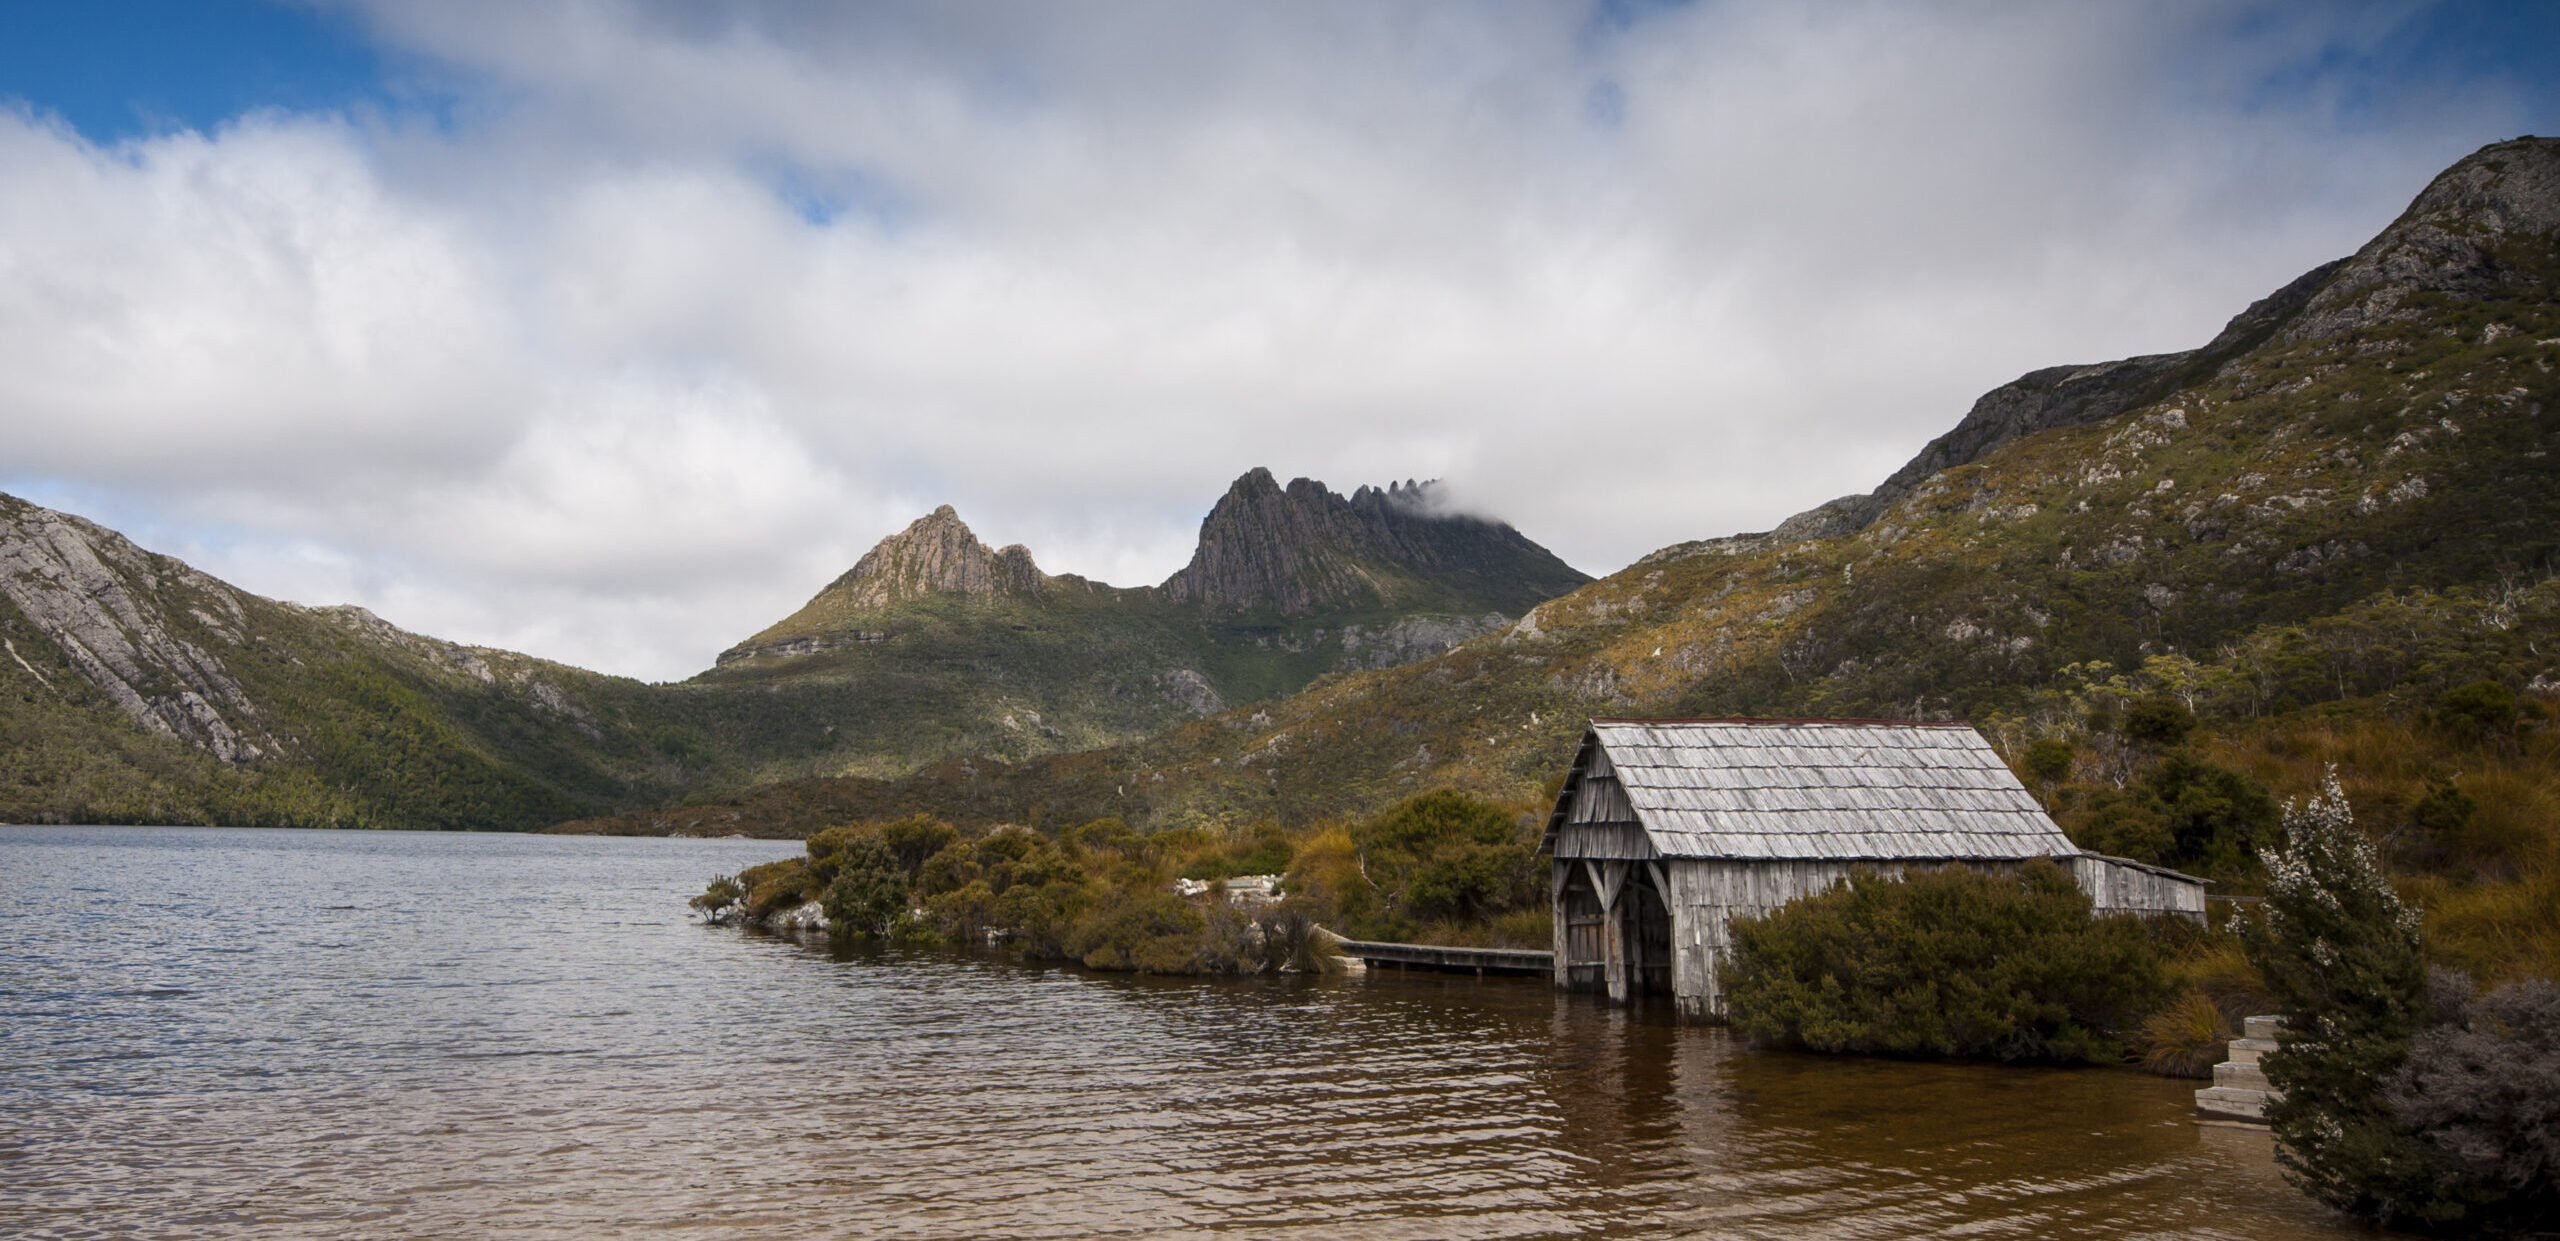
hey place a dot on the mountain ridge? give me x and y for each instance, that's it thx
(1284, 554)
(138, 689)
(2349, 499)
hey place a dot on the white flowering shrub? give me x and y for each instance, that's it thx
(2342, 957)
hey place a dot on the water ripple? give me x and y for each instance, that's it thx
(216, 1032)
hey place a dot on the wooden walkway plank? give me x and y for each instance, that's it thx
(1444, 957)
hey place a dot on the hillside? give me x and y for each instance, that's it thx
(2309, 531)
(137, 689)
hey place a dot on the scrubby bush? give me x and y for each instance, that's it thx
(1102, 893)
(915, 839)
(2185, 813)
(2217, 817)
(2482, 1092)
(723, 892)
(1157, 932)
(1264, 849)
(2437, 835)
(2481, 708)
(2049, 760)
(868, 890)
(1946, 962)
(777, 886)
(2186, 1038)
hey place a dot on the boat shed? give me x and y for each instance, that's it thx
(1666, 829)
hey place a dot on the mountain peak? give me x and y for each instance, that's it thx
(1305, 548)
(936, 554)
(2453, 239)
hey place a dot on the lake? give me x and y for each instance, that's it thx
(224, 1032)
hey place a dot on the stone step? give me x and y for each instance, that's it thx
(2226, 1103)
(2250, 1050)
(2261, 1027)
(2239, 1076)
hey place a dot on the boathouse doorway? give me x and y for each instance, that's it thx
(1584, 956)
(1647, 934)
(1614, 929)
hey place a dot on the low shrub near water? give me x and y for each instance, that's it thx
(1946, 962)
(1440, 866)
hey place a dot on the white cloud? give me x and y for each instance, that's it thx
(687, 306)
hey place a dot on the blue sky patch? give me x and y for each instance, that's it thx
(142, 67)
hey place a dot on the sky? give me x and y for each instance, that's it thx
(610, 332)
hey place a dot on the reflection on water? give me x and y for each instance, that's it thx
(212, 1032)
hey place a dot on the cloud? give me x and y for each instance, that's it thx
(675, 310)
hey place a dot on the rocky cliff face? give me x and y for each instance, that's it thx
(1306, 549)
(106, 604)
(2476, 229)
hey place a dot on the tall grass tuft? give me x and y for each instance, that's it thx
(2185, 1039)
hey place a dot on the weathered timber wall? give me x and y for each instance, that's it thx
(2116, 885)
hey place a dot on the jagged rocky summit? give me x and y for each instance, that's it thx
(937, 554)
(1423, 577)
(1305, 549)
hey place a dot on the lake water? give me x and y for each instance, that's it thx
(228, 1032)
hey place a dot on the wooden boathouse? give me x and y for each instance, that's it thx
(1665, 829)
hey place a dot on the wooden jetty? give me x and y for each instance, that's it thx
(1447, 959)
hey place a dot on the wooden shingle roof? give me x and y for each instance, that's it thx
(1814, 789)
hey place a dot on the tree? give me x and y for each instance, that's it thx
(2158, 719)
(2341, 956)
(2049, 760)
(2187, 813)
(2216, 816)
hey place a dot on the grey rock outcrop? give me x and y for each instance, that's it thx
(806, 918)
(107, 605)
(2450, 240)
(1412, 638)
